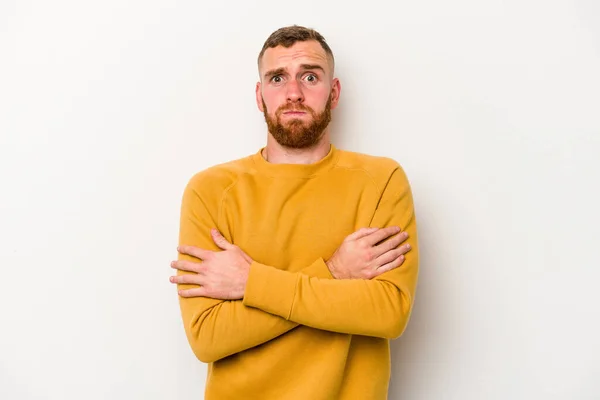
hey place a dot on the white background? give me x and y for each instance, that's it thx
(492, 107)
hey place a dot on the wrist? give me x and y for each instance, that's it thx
(332, 268)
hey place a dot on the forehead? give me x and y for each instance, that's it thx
(307, 52)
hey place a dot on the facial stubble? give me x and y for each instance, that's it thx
(296, 133)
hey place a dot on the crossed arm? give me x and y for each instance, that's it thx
(269, 302)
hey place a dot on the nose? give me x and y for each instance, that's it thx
(294, 92)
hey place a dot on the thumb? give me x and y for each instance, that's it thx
(220, 240)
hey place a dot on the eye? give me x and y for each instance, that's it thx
(312, 78)
(277, 79)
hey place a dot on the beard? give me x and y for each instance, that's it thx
(297, 134)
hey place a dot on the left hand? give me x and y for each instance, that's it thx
(221, 274)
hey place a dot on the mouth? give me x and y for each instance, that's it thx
(294, 113)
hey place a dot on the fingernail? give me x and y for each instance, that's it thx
(408, 246)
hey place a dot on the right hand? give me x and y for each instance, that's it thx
(362, 256)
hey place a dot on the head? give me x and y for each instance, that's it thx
(297, 89)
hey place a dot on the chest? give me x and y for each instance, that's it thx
(290, 223)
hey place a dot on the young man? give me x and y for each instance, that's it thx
(298, 263)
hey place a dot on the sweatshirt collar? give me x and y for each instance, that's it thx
(296, 170)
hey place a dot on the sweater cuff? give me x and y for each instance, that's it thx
(270, 289)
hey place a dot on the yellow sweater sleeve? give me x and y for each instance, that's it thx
(215, 328)
(380, 307)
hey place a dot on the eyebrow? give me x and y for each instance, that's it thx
(274, 72)
(312, 66)
(279, 71)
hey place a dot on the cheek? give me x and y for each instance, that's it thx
(272, 100)
(317, 102)
(318, 95)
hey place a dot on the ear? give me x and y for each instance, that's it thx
(336, 89)
(259, 101)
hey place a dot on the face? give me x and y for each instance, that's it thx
(296, 93)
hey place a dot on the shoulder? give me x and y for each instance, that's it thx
(381, 169)
(217, 179)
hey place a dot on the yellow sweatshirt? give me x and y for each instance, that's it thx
(298, 333)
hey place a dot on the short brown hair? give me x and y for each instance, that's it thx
(289, 35)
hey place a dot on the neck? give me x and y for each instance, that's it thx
(275, 153)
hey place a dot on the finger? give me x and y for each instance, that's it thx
(387, 257)
(400, 251)
(381, 234)
(398, 261)
(184, 265)
(362, 232)
(187, 279)
(220, 240)
(405, 248)
(195, 292)
(390, 244)
(194, 252)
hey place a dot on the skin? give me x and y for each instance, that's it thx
(299, 75)
(296, 86)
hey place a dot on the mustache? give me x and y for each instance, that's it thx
(294, 108)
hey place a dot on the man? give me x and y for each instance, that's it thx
(298, 263)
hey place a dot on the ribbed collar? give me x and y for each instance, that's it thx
(296, 170)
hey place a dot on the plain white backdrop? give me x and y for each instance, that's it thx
(108, 108)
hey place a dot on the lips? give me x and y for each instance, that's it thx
(294, 112)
